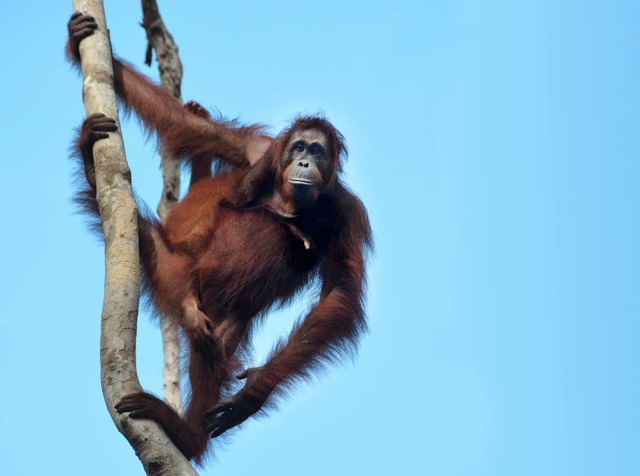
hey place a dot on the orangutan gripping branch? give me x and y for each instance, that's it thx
(241, 241)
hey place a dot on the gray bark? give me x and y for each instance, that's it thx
(170, 68)
(122, 282)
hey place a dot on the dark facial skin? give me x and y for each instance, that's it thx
(306, 168)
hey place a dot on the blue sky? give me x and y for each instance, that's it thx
(496, 147)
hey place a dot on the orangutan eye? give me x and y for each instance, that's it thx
(298, 146)
(316, 149)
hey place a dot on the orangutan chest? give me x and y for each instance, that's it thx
(254, 257)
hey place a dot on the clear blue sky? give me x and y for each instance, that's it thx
(496, 145)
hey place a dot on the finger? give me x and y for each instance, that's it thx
(220, 425)
(219, 431)
(82, 34)
(219, 408)
(105, 126)
(213, 426)
(242, 375)
(124, 401)
(140, 415)
(79, 17)
(81, 29)
(127, 407)
(217, 424)
(133, 397)
(82, 22)
(226, 423)
(96, 136)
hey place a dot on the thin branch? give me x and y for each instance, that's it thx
(170, 67)
(122, 281)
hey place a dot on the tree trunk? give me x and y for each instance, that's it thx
(170, 67)
(122, 281)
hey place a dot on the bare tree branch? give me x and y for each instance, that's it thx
(122, 281)
(170, 67)
(162, 42)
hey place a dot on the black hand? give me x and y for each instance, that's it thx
(231, 412)
(80, 26)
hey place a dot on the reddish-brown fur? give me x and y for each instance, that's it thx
(232, 249)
